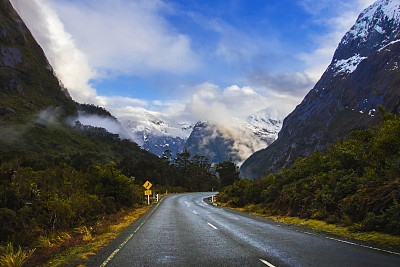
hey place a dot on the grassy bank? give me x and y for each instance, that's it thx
(383, 239)
(73, 248)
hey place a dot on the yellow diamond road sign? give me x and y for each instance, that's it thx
(147, 185)
(147, 192)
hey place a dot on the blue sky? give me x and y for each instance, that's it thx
(190, 59)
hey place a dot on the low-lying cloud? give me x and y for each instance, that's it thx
(109, 124)
(232, 104)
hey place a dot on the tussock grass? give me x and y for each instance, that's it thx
(87, 241)
(342, 231)
(371, 237)
(11, 257)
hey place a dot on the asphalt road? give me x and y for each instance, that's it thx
(183, 230)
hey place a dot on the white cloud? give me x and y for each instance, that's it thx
(134, 36)
(226, 106)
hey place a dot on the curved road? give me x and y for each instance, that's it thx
(183, 230)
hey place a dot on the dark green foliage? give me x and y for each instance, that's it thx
(34, 203)
(91, 109)
(357, 181)
(228, 172)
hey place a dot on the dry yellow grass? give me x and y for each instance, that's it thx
(79, 254)
(371, 237)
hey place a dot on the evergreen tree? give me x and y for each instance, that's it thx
(228, 172)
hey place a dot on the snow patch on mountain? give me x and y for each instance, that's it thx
(370, 19)
(348, 65)
(375, 28)
(265, 125)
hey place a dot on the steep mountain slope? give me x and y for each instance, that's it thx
(237, 142)
(362, 75)
(36, 112)
(27, 81)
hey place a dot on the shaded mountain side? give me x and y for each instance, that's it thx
(35, 108)
(27, 81)
(206, 140)
(363, 74)
(219, 144)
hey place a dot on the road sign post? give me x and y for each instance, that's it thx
(147, 192)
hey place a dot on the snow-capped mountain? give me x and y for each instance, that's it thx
(157, 134)
(363, 74)
(265, 125)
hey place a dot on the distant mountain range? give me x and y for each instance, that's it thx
(157, 134)
(204, 138)
(363, 74)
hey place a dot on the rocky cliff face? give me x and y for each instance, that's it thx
(27, 81)
(237, 142)
(363, 74)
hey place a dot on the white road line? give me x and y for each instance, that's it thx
(354, 244)
(308, 233)
(267, 263)
(387, 251)
(128, 238)
(212, 226)
(343, 241)
(195, 212)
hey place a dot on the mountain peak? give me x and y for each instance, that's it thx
(375, 27)
(363, 74)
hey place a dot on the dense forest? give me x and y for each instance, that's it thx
(354, 183)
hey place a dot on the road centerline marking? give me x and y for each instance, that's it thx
(267, 263)
(215, 228)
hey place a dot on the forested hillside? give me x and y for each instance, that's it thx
(354, 183)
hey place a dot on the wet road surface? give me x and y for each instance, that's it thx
(184, 230)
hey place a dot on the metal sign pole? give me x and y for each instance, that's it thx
(148, 200)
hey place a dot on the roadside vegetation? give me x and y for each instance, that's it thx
(354, 184)
(59, 184)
